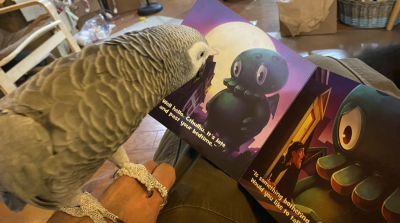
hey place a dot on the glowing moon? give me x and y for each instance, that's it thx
(227, 41)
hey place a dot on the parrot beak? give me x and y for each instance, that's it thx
(199, 73)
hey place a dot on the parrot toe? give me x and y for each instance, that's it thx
(89, 206)
(140, 173)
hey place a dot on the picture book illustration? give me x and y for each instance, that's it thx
(249, 82)
(336, 158)
(254, 73)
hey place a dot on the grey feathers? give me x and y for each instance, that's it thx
(60, 126)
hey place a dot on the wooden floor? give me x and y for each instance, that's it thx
(265, 12)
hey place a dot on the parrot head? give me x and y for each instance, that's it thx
(184, 51)
(177, 53)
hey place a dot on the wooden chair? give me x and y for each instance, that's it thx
(393, 16)
(35, 30)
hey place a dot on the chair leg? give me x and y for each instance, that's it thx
(68, 36)
(6, 85)
(393, 16)
(73, 45)
(3, 91)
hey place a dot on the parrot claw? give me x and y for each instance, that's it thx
(89, 206)
(150, 193)
(140, 173)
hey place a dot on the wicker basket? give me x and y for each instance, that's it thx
(366, 14)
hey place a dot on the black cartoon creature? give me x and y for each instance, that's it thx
(239, 112)
(360, 182)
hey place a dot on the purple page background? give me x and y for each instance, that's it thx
(209, 14)
(204, 17)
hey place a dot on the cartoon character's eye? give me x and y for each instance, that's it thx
(261, 74)
(201, 54)
(350, 128)
(237, 68)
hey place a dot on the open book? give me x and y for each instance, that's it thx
(308, 144)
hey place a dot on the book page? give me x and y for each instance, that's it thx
(249, 82)
(333, 158)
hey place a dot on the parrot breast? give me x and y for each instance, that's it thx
(89, 103)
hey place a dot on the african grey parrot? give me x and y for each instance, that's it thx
(59, 127)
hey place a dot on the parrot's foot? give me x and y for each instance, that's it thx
(140, 173)
(89, 206)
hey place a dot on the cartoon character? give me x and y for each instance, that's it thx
(363, 174)
(239, 112)
(287, 170)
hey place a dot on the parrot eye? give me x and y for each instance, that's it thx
(200, 55)
(261, 74)
(237, 68)
(350, 128)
